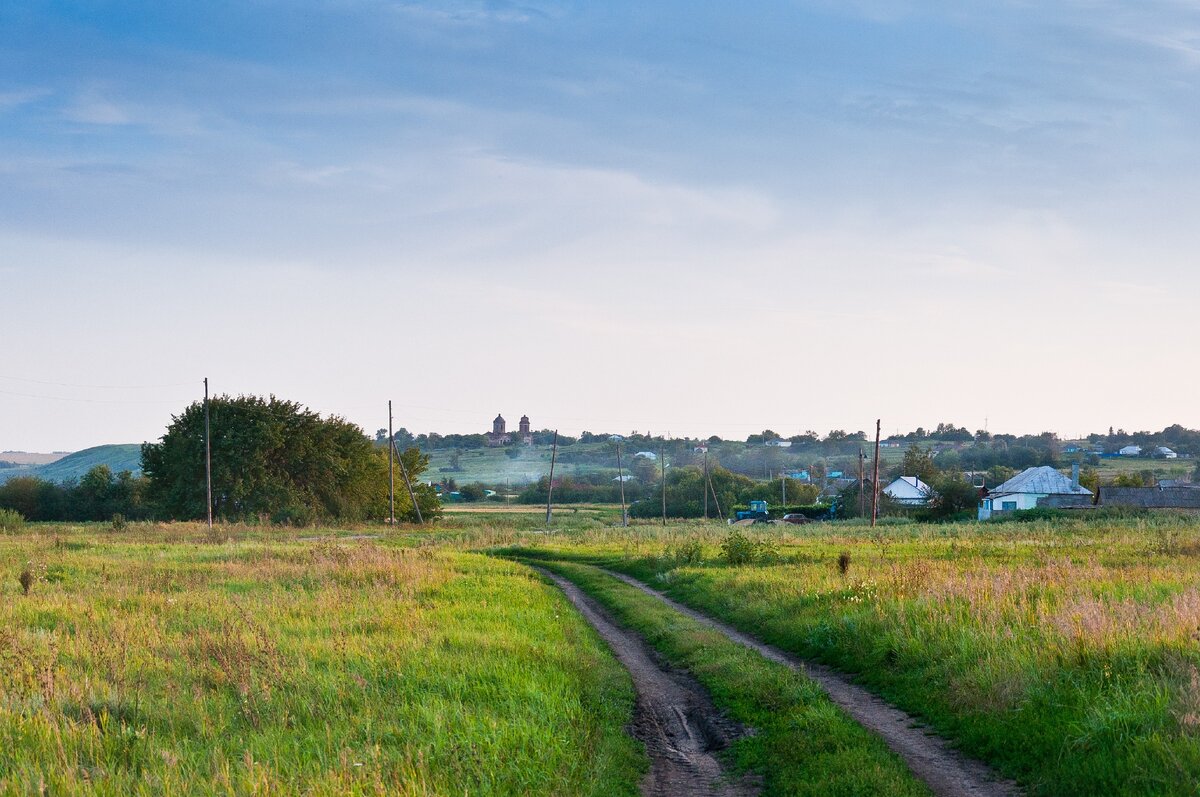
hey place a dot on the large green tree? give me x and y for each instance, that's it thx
(274, 459)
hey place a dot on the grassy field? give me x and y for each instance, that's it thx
(802, 744)
(156, 661)
(1067, 654)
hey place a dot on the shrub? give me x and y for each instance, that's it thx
(118, 522)
(843, 563)
(25, 580)
(11, 520)
(739, 549)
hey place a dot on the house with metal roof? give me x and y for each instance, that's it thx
(910, 491)
(1034, 487)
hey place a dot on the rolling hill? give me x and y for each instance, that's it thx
(118, 457)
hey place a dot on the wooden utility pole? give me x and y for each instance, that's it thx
(662, 453)
(875, 478)
(391, 471)
(550, 490)
(706, 483)
(407, 483)
(862, 477)
(207, 453)
(621, 480)
(716, 500)
(783, 488)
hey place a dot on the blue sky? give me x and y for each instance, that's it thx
(685, 217)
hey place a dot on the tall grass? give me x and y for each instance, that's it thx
(157, 660)
(1065, 653)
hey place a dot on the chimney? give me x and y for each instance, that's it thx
(1075, 475)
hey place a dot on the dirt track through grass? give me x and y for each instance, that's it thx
(947, 772)
(674, 716)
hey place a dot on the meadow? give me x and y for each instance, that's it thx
(1064, 653)
(163, 660)
(427, 660)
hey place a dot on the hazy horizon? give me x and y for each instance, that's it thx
(667, 218)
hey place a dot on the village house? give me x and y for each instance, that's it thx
(910, 491)
(1130, 451)
(1032, 488)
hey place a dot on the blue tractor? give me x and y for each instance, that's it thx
(756, 512)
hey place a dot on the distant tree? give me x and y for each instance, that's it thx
(952, 495)
(918, 462)
(275, 459)
(472, 492)
(404, 438)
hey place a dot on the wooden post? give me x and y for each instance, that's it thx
(705, 488)
(716, 500)
(207, 453)
(391, 471)
(662, 468)
(621, 480)
(875, 479)
(407, 483)
(862, 478)
(550, 489)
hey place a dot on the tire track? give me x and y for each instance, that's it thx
(946, 771)
(673, 717)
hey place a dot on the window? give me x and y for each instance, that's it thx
(1008, 506)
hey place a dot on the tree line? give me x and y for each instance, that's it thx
(272, 461)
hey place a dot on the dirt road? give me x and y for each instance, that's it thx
(674, 717)
(947, 772)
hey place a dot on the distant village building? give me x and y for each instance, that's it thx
(650, 455)
(1131, 451)
(780, 443)
(910, 491)
(1035, 487)
(1165, 453)
(499, 435)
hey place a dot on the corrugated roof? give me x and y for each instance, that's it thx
(1042, 481)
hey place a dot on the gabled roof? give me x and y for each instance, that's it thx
(909, 487)
(1041, 481)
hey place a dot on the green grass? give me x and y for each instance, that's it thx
(1066, 654)
(802, 744)
(153, 661)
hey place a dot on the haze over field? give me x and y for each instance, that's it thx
(682, 217)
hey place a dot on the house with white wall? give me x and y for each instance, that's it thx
(910, 491)
(1029, 487)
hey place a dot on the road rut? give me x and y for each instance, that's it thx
(947, 772)
(674, 717)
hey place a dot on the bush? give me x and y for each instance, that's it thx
(11, 520)
(738, 549)
(118, 522)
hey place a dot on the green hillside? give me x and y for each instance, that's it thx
(118, 457)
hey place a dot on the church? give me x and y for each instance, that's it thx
(500, 437)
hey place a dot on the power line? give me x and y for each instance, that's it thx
(84, 400)
(101, 387)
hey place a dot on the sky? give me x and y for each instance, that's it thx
(690, 218)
